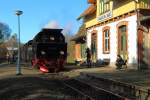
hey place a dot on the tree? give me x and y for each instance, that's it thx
(11, 45)
(12, 41)
(68, 36)
(3, 52)
(4, 32)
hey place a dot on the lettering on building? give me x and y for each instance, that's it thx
(105, 16)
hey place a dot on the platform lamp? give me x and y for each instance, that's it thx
(18, 67)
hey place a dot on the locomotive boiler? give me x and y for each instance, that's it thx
(49, 50)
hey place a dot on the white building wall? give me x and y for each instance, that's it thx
(99, 43)
(113, 42)
(132, 40)
(88, 38)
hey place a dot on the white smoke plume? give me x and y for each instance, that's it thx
(67, 29)
(67, 32)
(52, 24)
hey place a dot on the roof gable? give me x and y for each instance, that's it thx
(90, 10)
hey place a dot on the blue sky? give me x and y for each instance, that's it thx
(38, 13)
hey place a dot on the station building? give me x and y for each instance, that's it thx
(80, 45)
(118, 27)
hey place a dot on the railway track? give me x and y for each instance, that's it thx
(89, 87)
(127, 91)
(85, 91)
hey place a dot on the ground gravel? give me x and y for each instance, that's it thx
(31, 88)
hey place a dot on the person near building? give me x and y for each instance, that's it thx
(88, 57)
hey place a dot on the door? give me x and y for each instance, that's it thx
(78, 52)
(140, 47)
(94, 47)
(122, 41)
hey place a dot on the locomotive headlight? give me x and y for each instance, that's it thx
(52, 38)
(62, 52)
(43, 52)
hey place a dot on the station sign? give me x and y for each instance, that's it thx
(105, 16)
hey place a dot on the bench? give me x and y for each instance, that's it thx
(106, 61)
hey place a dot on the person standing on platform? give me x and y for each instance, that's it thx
(88, 57)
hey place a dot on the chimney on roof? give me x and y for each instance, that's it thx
(91, 1)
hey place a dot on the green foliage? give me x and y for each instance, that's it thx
(12, 41)
(3, 51)
(4, 32)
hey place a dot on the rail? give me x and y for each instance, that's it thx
(89, 92)
(130, 91)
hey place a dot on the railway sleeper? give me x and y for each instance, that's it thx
(107, 86)
(127, 90)
(93, 92)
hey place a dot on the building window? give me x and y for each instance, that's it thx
(106, 41)
(94, 45)
(122, 39)
(122, 31)
(104, 6)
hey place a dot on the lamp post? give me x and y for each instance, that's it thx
(18, 68)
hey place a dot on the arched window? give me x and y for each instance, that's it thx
(94, 45)
(122, 38)
(106, 41)
(122, 30)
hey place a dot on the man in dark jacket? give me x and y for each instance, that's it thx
(88, 56)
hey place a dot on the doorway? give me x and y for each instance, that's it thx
(140, 47)
(94, 46)
(122, 41)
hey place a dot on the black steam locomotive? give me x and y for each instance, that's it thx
(49, 50)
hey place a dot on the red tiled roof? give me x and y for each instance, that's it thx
(90, 10)
(92, 1)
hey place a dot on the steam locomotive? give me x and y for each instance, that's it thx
(49, 50)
